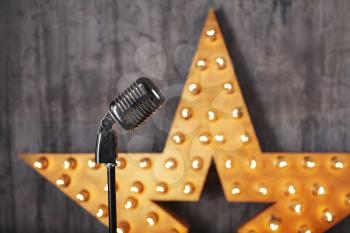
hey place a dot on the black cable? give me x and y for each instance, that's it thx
(112, 209)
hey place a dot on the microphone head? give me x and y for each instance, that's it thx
(138, 102)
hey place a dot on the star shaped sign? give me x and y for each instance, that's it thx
(310, 192)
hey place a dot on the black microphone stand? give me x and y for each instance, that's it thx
(106, 153)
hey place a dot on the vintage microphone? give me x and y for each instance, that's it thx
(130, 109)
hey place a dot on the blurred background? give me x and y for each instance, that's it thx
(61, 62)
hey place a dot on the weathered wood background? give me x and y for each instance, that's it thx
(62, 61)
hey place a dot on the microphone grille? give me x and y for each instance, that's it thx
(138, 102)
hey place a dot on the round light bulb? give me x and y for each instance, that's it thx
(201, 64)
(130, 203)
(204, 138)
(136, 187)
(327, 215)
(211, 34)
(318, 190)
(219, 138)
(170, 164)
(186, 113)
(281, 162)
(304, 229)
(290, 189)
(178, 138)
(296, 207)
(309, 163)
(123, 227)
(262, 189)
(63, 181)
(337, 164)
(102, 211)
(188, 188)
(236, 189)
(197, 163)
(228, 164)
(120, 163)
(237, 113)
(83, 195)
(69, 163)
(212, 115)
(41, 164)
(274, 223)
(162, 188)
(145, 163)
(220, 62)
(92, 164)
(194, 88)
(228, 87)
(152, 218)
(252, 164)
(244, 138)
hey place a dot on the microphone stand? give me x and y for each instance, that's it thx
(106, 153)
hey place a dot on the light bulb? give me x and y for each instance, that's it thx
(188, 188)
(274, 223)
(228, 87)
(237, 113)
(204, 138)
(178, 138)
(63, 181)
(152, 219)
(281, 162)
(219, 138)
(83, 195)
(201, 64)
(304, 229)
(92, 164)
(212, 115)
(41, 164)
(211, 34)
(145, 163)
(102, 211)
(228, 164)
(262, 189)
(295, 207)
(170, 164)
(327, 215)
(120, 163)
(252, 164)
(194, 88)
(136, 187)
(244, 138)
(197, 163)
(130, 203)
(337, 163)
(186, 113)
(290, 189)
(309, 163)
(236, 189)
(220, 62)
(162, 188)
(69, 163)
(123, 227)
(318, 190)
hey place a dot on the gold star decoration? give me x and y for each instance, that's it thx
(310, 191)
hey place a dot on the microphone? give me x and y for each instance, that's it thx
(130, 109)
(137, 103)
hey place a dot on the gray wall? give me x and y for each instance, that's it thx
(62, 61)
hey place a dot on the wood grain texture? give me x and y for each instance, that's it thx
(62, 61)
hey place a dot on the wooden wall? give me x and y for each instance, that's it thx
(62, 61)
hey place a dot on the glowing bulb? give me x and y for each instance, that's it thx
(170, 164)
(120, 163)
(252, 164)
(145, 163)
(296, 207)
(337, 163)
(304, 229)
(204, 138)
(102, 211)
(244, 138)
(281, 162)
(309, 163)
(105, 188)
(178, 138)
(69, 163)
(186, 113)
(83, 196)
(274, 223)
(237, 113)
(92, 164)
(162, 188)
(228, 87)
(236, 189)
(219, 138)
(63, 181)
(123, 227)
(290, 189)
(201, 64)
(327, 215)
(228, 164)
(194, 88)
(137, 187)
(318, 190)
(262, 189)
(152, 219)
(212, 116)
(130, 203)
(41, 163)
(220, 62)
(197, 163)
(211, 34)
(188, 188)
